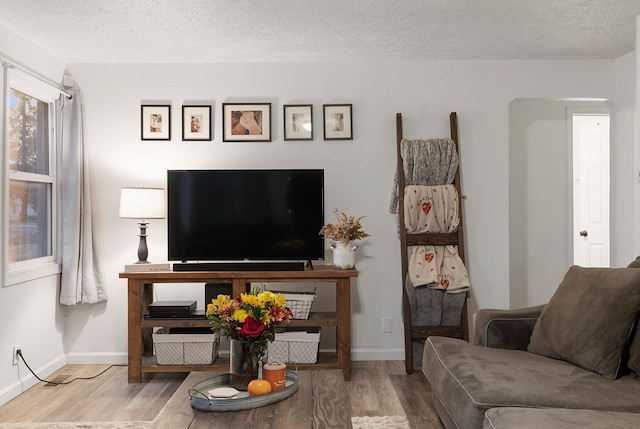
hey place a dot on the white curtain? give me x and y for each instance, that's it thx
(82, 278)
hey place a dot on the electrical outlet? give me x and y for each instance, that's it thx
(387, 325)
(16, 349)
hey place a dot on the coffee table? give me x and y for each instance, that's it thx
(321, 401)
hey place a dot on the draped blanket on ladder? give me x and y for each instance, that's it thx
(431, 205)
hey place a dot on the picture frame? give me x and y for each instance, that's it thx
(246, 122)
(155, 122)
(298, 121)
(196, 123)
(337, 121)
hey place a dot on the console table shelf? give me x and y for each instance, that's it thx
(327, 318)
(326, 360)
(140, 295)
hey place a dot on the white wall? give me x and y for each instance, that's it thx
(29, 314)
(624, 172)
(540, 195)
(634, 92)
(358, 175)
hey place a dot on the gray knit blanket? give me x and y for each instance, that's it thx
(434, 307)
(426, 162)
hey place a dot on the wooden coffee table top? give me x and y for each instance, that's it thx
(321, 401)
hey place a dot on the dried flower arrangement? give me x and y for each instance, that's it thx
(346, 230)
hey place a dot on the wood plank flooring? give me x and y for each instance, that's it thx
(377, 388)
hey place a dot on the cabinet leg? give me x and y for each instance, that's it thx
(136, 306)
(343, 313)
(147, 333)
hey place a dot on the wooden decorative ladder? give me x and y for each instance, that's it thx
(435, 239)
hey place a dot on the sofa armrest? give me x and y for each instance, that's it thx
(506, 329)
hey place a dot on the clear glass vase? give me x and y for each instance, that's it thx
(244, 361)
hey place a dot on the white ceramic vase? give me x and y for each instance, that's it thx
(344, 255)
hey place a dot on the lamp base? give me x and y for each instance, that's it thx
(143, 251)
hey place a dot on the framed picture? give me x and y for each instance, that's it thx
(196, 123)
(298, 122)
(337, 122)
(155, 123)
(248, 122)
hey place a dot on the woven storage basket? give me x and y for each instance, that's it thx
(299, 303)
(295, 346)
(185, 349)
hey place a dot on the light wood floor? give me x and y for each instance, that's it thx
(377, 388)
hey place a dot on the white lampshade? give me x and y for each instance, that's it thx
(142, 203)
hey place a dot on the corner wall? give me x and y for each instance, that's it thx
(625, 174)
(540, 196)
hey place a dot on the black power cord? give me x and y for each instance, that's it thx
(19, 353)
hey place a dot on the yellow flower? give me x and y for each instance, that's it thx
(265, 298)
(211, 309)
(280, 301)
(221, 300)
(240, 315)
(250, 299)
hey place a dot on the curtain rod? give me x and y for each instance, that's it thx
(7, 64)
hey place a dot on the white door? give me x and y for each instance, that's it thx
(590, 189)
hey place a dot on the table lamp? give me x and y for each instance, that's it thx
(142, 203)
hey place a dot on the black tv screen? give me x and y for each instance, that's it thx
(218, 215)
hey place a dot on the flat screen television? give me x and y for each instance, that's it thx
(245, 215)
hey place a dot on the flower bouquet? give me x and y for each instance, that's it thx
(248, 322)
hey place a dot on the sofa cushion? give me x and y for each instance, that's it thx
(588, 320)
(534, 418)
(634, 348)
(467, 380)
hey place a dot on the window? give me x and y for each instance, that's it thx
(30, 179)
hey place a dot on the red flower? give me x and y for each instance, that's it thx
(252, 328)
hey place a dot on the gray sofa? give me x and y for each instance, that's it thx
(573, 362)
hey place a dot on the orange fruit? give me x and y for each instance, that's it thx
(258, 387)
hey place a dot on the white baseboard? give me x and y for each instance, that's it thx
(377, 354)
(88, 358)
(28, 380)
(10, 392)
(120, 358)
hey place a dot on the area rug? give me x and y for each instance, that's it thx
(76, 425)
(380, 422)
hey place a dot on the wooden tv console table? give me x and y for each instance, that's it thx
(140, 295)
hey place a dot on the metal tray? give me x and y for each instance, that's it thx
(200, 400)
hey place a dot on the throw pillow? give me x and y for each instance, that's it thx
(635, 263)
(634, 352)
(588, 320)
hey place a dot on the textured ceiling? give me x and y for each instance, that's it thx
(176, 31)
